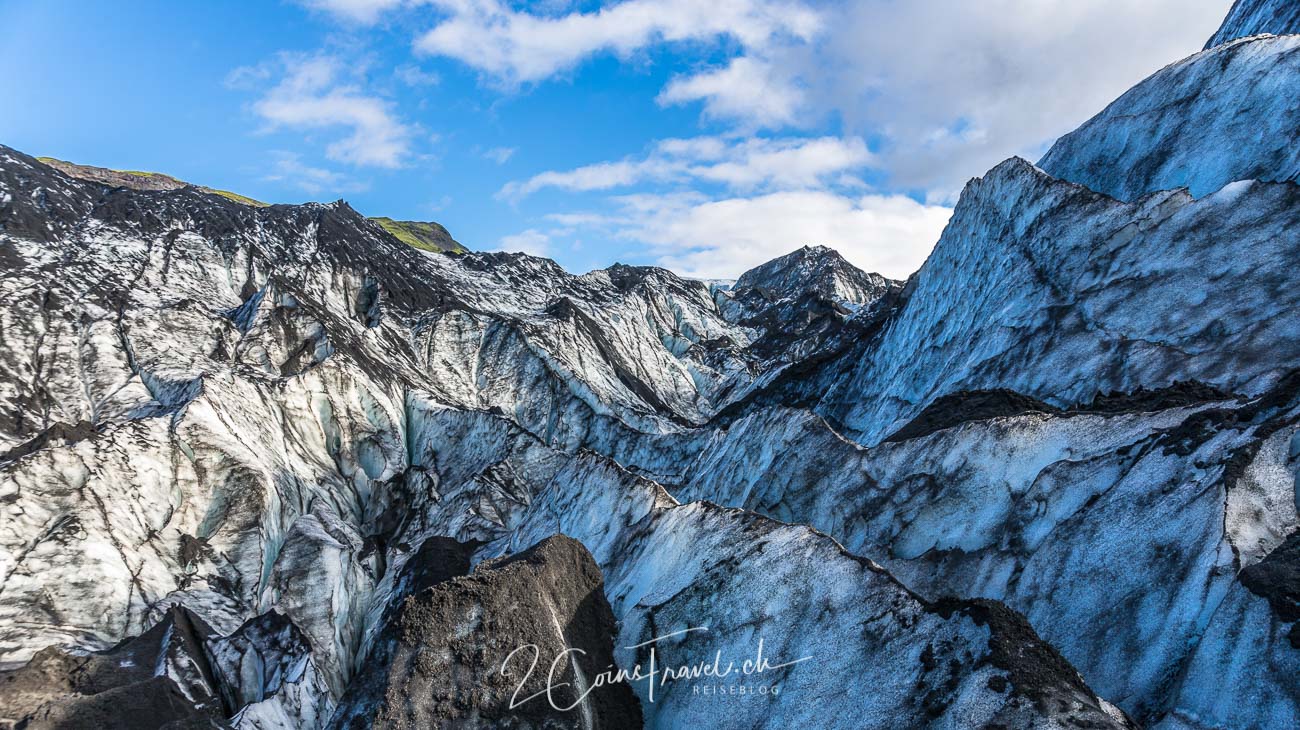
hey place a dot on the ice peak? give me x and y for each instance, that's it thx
(1257, 17)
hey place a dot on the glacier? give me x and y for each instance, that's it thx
(273, 468)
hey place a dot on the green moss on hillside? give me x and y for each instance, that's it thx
(426, 236)
(237, 198)
(139, 180)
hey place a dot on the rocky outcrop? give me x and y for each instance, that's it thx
(149, 681)
(179, 673)
(483, 650)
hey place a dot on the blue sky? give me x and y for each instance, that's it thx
(707, 137)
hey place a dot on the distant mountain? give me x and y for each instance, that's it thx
(138, 180)
(813, 270)
(427, 236)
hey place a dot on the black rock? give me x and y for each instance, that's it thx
(158, 678)
(439, 662)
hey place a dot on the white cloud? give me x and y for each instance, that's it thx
(953, 87)
(949, 87)
(571, 221)
(531, 241)
(889, 234)
(778, 194)
(415, 77)
(289, 168)
(357, 11)
(314, 94)
(500, 155)
(747, 89)
(745, 164)
(600, 176)
(784, 163)
(514, 46)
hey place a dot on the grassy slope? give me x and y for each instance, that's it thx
(424, 236)
(238, 198)
(151, 180)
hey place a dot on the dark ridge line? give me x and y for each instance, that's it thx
(968, 406)
(59, 431)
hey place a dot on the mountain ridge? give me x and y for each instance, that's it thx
(424, 235)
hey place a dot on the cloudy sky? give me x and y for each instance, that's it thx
(702, 135)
